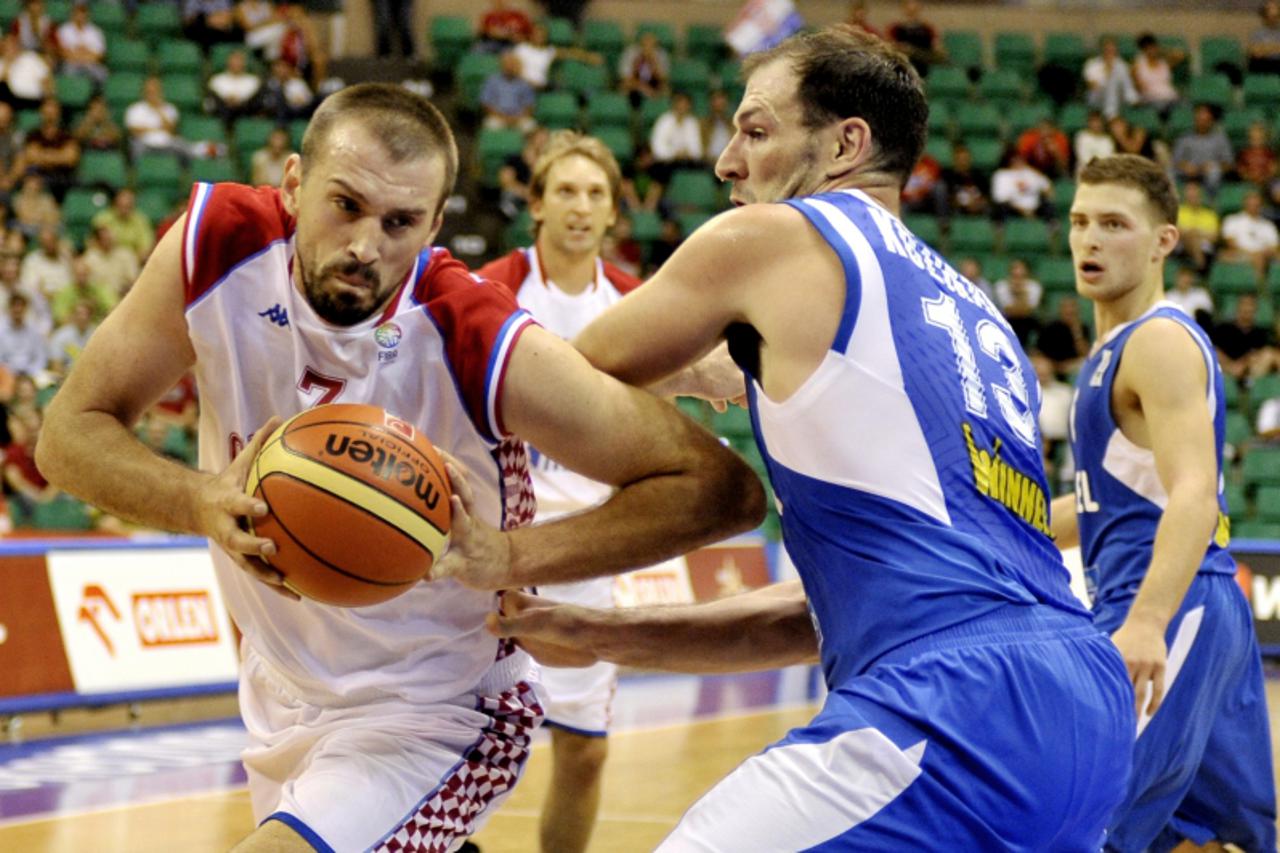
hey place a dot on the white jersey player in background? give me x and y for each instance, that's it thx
(396, 726)
(563, 282)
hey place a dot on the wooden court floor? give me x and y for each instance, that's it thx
(652, 775)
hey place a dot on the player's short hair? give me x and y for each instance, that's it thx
(407, 125)
(567, 143)
(1145, 176)
(844, 72)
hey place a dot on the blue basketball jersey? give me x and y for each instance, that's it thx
(907, 467)
(1119, 498)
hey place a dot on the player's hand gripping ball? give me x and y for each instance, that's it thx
(359, 504)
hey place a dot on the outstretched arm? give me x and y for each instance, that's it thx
(762, 629)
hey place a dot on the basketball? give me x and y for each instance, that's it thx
(359, 504)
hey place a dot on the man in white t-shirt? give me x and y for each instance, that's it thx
(48, 268)
(82, 45)
(1020, 189)
(23, 73)
(676, 138)
(153, 122)
(1188, 295)
(1250, 237)
(235, 90)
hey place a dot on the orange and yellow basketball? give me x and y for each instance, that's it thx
(359, 503)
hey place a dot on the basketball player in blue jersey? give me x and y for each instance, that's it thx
(1149, 515)
(972, 703)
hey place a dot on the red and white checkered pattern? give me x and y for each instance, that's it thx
(488, 771)
(518, 501)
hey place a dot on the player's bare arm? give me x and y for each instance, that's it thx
(762, 629)
(1063, 522)
(677, 487)
(88, 448)
(1159, 402)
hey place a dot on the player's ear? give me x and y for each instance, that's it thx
(1167, 240)
(853, 146)
(291, 185)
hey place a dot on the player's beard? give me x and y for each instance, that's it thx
(343, 307)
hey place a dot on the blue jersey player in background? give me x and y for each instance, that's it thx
(972, 702)
(1149, 514)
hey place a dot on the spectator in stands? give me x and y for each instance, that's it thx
(856, 17)
(1198, 227)
(51, 151)
(1264, 42)
(34, 29)
(22, 344)
(514, 174)
(1108, 81)
(1205, 153)
(98, 296)
(644, 69)
(508, 99)
(10, 151)
(537, 56)
(97, 130)
(267, 163)
(130, 226)
(1018, 297)
(1193, 298)
(1153, 73)
(641, 189)
(1093, 140)
(286, 96)
(1019, 190)
(1242, 345)
(1249, 237)
(502, 28)
(1064, 340)
(393, 27)
(1055, 414)
(39, 314)
(676, 138)
(1046, 148)
(69, 339)
(34, 207)
(108, 264)
(82, 45)
(209, 22)
(967, 189)
(916, 37)
(152, 123)
(300, 46)
(1132, 139)
(25, 75)
(47, 270)
(235, 89)
(669, 239)
(622, 249)
(27, 485)
(924, 191)
(717, 126)
(971, 268)
(263, 26)
(1256, 161)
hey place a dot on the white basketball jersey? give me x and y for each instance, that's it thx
(435, 357)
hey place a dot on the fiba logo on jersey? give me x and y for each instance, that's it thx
(387, 337)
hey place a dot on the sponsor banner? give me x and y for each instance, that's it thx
(31, 656)
(141, 619)
(761, 24)
(727, 569)
(665, 583)
(1258, 574)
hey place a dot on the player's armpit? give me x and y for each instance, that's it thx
(678, 488)
(1063, 522)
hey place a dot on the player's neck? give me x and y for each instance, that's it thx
(1129, 306)
(572, 272)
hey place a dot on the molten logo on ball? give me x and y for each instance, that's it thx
(384, 465)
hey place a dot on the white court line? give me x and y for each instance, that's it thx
(5, 823)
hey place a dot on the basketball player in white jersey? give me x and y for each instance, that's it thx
(396, 726)
(563, 282)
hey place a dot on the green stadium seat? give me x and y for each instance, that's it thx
(925, 226)
(218, 57)
(1255, 530)
(1065, 49)
(471, 72)
(122, 89)
(691, 76)
(1261, 467)
(1028, 237)
(582, 78)
(1227, 279)
(1236, 123)
(80, 205)
(986, 153)
(1002, 85)
(200, 128)
(450, 37)
(972, 235)
(650, 109)
(110, 18)
(157, 171)
(9, 9)
(129, 55)
(27, 121)
(608, 109)
(1237, 503)
(705, 42)
(646, 225)
(1212, 89)
(618, 140)
(1261, 90)
(184, 91)
(1024, 116)
(994, 267)
(1238, 430)
(693, 188)
(964, 49)
(157, 203)
(941, 117)
(1221, 53)
(979, 120)
(1146, 118)
(1178, 44)
(155, 21)
(940, 148)
(665, 33)
(1015, 51)
(59, 11)
(62, 513)
(1231, 195)
(214, 171)
(1057, 275)
(729, 73)
(1064, 194)
(72, 90)
(493, 147)
(945, 82)
(177, 56)
(1179, 121)
(692, 221)
(557, 110)
(250, 134)
(560, 32)
(604, 37)
(519, 232)
(102, 169)
(1231, 392)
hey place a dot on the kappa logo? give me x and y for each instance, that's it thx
(276, 314)
(95, 605)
